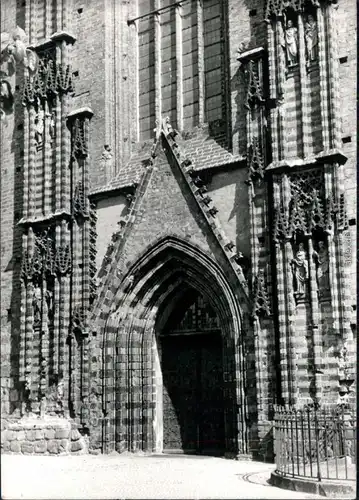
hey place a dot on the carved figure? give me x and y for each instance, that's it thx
(167, 127)
(291, 43)
(37, 303)
(13, 51)
(51, 117)
(43, 406)
(50, 302)
(300, 270)
(311, 38)
(6, 98)
(39, 127)
(107, 152)
(60, 390)
(322, 258)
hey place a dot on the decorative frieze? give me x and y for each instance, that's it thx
(51, 80)
(254, 88)
(261, 302)
(255, 161)
(63, 260)
(278, 7)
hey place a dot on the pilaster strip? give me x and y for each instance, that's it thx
(23, 317)
(304, 91)
(157, 43)
(328, 181)
(200, 52)
(333, 76)
(323, 74)
(179, 67)
(47, 179)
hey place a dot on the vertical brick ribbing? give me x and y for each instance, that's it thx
(323, 73)
(179, 67)
(58, 175)
(65, 145)
(314, 310)
(23, 322)
(86, 267)
(48, 19)
(328, 181)
(31, 164)
(58, 15)
(24, 287)
(47, 169)
(272, 61)
(280, 75)
(343, 279)
(86, 234)
(30, 354)
(281, 292)
(44, 344)
(334, 94)
(157, 56)
(303, 90)
(29, 313)
(290, 303)
(65, 15)
(57, 309)
(200, 46)
(272, 68)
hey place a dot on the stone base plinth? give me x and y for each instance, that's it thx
(42, 436)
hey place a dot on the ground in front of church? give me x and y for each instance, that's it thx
(136, 477)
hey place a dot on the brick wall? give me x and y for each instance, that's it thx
(109, 213)
(347, 47)
(11, 211)
(230, 195)
(105, 79)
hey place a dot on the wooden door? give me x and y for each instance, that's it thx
(193, 416)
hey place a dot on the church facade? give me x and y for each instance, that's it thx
(178, 221)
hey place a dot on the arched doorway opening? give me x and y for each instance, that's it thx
(191, 363)
(165, 283)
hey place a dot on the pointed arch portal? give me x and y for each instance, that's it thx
(173, 363)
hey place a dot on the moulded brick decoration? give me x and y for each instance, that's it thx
(207, 218)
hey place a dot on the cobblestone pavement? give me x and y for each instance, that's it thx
(120, 477)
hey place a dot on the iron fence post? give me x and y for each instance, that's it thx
(316, 430)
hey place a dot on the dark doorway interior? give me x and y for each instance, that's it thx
(193, 415)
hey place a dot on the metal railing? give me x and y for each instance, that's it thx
(316, 443)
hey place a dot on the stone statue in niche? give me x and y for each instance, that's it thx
(51, 117)
(50, 303)
(300, 270)
(39, 127)
(322, 258)
(37, 305)
(13, 52)
(311, 38)
(290, 43)
(107, 163)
